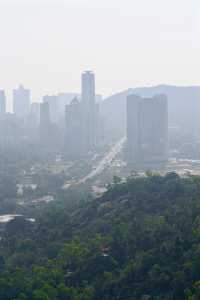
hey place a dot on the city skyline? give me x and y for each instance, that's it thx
(45, 48)
(9, 93)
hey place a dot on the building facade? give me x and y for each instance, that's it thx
(45, 124)
(74, 136)
(34, 117)
(2, 102)
(53, 102)
(147, 130)
(21, 102)
(89, 110)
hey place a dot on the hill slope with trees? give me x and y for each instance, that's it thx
(140, 240)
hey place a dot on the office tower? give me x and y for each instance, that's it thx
(63, 100)
(74, 138)
(53, 102)
(35, 114)
(89, 111)
(2, 102)
(11, 133)
(147, 130)
(45, 124)
(21, 102)
(88, 88)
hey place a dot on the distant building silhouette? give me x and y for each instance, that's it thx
(81, 119)
(35, 114)
(2, 102)
(53, 101)
(45, 124)
(11, 132)
(74, 137)
(89, 111)
(21, 102)
(147, 130)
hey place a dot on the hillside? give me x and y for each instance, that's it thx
(139, 241)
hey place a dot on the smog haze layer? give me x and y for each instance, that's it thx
(46, 44)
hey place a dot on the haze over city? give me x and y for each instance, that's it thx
(45, 45)
(99, 150)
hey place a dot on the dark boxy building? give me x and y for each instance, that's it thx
(147, 130)
(74, 138)
(45, 130)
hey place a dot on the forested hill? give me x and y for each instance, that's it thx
(140, 240)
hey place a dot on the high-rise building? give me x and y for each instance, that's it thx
(45, 125)
(21, 102)
(53, 101)
(89, 111)
(147, 130)
(2, 102)
(74, 137)
(11, 132)
(35, 114)
(88, 88)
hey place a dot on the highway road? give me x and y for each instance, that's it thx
(101, 165)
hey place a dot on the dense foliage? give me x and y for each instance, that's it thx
(140, 240)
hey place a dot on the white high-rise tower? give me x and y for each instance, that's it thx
(89, 111)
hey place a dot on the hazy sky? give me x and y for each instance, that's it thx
(46, 44)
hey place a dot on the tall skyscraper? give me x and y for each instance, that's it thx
(89, 111)
(2, 102)
(21, 102)
(45, 125)
(35, 114)
(147, 130)
(74, 137)
(53, 101)
(88, 88)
